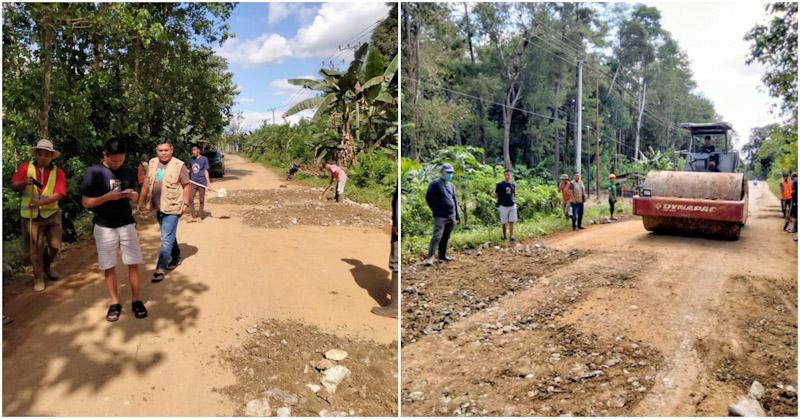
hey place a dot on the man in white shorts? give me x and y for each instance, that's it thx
(505, 192)
(107, 190)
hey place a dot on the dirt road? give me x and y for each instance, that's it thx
(611, 320)
(313, 285)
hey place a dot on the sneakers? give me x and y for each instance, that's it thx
(173, 264)
(385, 311)
(158, 276)
(428, 262)
(38, 284)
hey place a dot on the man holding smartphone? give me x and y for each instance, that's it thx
(42, 185)
(107, 190)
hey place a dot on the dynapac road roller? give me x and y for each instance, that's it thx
(708, 198)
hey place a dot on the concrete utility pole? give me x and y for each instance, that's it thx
(579, 126)
(597, 137)
(639, 121)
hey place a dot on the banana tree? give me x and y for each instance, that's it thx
(337, 100)
(377, 91)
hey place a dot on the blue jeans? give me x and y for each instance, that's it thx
(170, 252)
(577, 215)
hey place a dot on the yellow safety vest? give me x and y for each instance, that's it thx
(30, 193)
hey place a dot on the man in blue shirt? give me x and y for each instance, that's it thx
(441, 198)
(505, 192)
(198, 172)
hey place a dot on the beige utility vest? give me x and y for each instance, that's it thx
(30, 193)
(171, 188)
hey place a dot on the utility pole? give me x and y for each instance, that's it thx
(639, 122)
(273, 114)
(597, 136)
(579, 126)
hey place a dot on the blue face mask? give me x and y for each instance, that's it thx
(447, 176)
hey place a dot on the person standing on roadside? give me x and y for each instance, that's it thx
(42, 185)
(441, 198)
(505, 193)
(786, 195)
(107, 190)
(198, 168)
(566, 195)
(793, 210)
(578, 192)
(166, 189)
(612, 193)
(391, 309)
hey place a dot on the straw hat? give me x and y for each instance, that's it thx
(44, 144)
(612, 176)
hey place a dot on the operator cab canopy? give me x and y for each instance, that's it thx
(724, 161)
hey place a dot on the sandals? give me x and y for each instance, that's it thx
(139, 310)
(158, 276)
(114, 310)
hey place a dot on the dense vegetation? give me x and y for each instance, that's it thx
(503, 77)
(498, 81)
(81, 73)
(354, 124)
(772, 149)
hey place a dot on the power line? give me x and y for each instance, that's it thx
(650, 114)
(487, 101)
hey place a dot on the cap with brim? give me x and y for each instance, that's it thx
(447, 168)
(564, 176)
(612, 176)
(45, 145)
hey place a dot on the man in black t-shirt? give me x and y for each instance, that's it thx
(709, 148)
(107, 190)
(505, 192)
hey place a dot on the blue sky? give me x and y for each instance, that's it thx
(278, 41)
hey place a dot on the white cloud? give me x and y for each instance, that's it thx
(717, 55)
(246, 100)
(334, 25)
(280, 11)
(282, 87)
(331, 28)
(252, 120)
(269, 48)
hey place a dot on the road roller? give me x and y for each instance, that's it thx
(707, 198)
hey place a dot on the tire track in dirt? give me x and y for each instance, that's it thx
(679, 294)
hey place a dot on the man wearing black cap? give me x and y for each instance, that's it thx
(441, 198)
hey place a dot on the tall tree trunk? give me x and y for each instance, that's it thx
(47, 35)
(481, 130)
(512, 97)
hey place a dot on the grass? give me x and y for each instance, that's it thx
(462, 239)
(355, 193)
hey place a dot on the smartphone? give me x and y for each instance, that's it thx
(37, 183)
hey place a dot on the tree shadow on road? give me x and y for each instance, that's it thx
(372, 278)
(60, 338)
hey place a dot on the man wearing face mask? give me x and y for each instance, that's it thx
(441, 198)
(42, 185)
(107, 190)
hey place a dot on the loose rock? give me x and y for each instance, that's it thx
(336, 354)
(746, 406)
(257, 407)
(333, 377)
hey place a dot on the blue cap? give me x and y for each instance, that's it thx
(447, 167)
